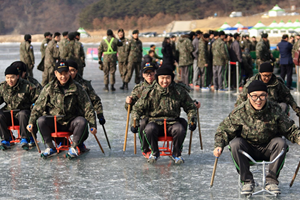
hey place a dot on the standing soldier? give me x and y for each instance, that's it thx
(135, 54)
(203, 61)
(220, 59)
(26, 54)
(63, 43)
(185, 49)
(296, 46)
(51, 57)
(81, 54)
(174, 50)
(72, 51)
(253, 44)
(236, 56)
(44, 44)
(247, 43)
(196, 80)
(122, 55)
(263, 53)
(109, 48)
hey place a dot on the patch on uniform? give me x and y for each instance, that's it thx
(57, 46)
(45, 45)
(127, 43)
(31, 47)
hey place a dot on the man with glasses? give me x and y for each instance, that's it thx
(256, 126)
(277, 91)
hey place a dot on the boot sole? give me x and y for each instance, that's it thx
(45, 157)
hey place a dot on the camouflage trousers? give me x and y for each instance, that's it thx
(129, 70)
(109, 69)
(122, 66)
(29, 70)
(48, 75)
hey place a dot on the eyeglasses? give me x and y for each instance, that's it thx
(266, 76)
(261, 97)
(148, 73)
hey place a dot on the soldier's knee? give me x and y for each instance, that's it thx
(42, 121)
(80, 121)
(236, 143)
(150, 128)
(279, 143)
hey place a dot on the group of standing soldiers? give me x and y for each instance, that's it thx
(53, 49)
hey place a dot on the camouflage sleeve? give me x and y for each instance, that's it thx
(39, 106)
(190, 46)
(95, 99)
(243, 96)
(294, 49)
(87, 107)
(135, 94)
(34, 93)
(258, 50)
(31, 54)
(188, 106)
(82, 54)
(226, 131)
(65, 52)
(287, 97)
(100, 50)
(140, 107)
(288, 128)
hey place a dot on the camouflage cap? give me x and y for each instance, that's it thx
(148, 66)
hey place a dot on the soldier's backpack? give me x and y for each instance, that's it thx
(296, 58)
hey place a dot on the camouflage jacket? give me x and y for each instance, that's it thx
(73, 51)
(51, 54)
(185, 49)
(122, 50)
(70, 101)
(160, 103)
(295, 48)
(95, 99)
(43, 47)
(135, 51)
(256, 126)
(62, 47)
(220, 53)
(246, 44)
(277, 91)
(203, 53)
(262, 51)
(109, 54)
(21, 96)
(137, 92)
(26, 53)
(34, 82)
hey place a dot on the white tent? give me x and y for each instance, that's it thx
(273, 24)
(276, 11)
(296, 23)
(225, 25)
(259, 25)
(281, 24)
(289, 24)
(257, 29)
(238, 25)
(83, 33)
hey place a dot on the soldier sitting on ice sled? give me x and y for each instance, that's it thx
(19, 95)
(277, 91)
(256, 126)
(161, 102)
(66, 98)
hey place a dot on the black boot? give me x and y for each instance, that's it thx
(126, 86)
(122, 88)
(106, 88)
(112, 87)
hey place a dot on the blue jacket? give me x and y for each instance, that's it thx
(285, 50)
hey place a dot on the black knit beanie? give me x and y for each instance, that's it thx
(165, 70)
(257, 85)
(266, 67)
(11, 70)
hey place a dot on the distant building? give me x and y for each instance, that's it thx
(276, 11)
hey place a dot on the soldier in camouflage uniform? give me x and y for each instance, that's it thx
(87, 86)
(161, 102)
(108, 47)
(263, 53)
(51, 57)
(44, 44)
(277, 91)
(65, 97)
(122, 55)
(63, 43)
(73, 51)
(246, 44)
(253, 44)
(21, 67)
(148, 73)
(18, 94)
(247, 65)
(256, 126)
(203, 61)
(135, 54)
(81, 65)
(220, 60)
(296, 47)
(26, 54)
(185, 49)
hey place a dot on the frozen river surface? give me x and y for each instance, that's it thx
(118, 175)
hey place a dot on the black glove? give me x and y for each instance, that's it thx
(101, 119)
(193, 127)
(134, 129)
